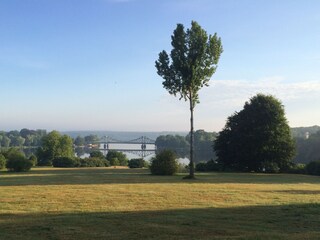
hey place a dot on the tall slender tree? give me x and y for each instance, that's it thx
(192, 62)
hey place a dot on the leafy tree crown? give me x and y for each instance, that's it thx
(192, 62)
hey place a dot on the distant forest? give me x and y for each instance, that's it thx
(307, 141)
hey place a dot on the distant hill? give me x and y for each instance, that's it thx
(300, 132)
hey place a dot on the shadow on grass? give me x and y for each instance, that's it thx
(253, 222)
(58, 176)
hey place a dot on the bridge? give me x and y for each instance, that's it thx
(143, 141)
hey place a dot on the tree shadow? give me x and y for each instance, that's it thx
(299, 191)
(300, 221)
(69, 176)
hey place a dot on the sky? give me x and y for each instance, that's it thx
(90, 64)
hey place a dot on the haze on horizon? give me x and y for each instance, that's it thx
(89, 64)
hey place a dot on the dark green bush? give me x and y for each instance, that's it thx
(136, 163)
(313, 168)
(208, 166)
(2, 161)
(164, 163)
(34, 160)
(270, 167)
(65, 162)
(114, 162)
(213, 166)
(94, 162)
(297, 169)
(18, 164)
(201, 167)
(96, 154)
(122, 159)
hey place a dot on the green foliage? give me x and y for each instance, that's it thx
(114, 161)
(313, 168)
(194, 58)
(117, 158)
(308, 149)
(164, 163)
(297, 169)
(5, 141)
(91, 139)
(79, 141)
(201, 167)
(65, 162)
(192, 62)
(96, 154)
(25, 137)
(203, 145)
(3, 161)
(12, 153)
(94, 162)
(257, 138)
(17, 162)
(136, 163)
(54, 145)
(176, 143)
(34, 160)
(180, 145)
(208, 166)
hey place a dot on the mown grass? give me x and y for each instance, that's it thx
(107, 203)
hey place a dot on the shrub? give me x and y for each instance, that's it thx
(18, 164)
(123, 161)
(34, 160)
(297, 169)
(313, 168)
(270, 167)
(201, 167)
(164, 163)
(121, 158)
(213, 165)
(93, 162)
(96, 154)
(183, 168)
(2, 161)
(65, 162)
(114, 162)
(136, 163)
(208, 166)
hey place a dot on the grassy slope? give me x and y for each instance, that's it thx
(131, 204)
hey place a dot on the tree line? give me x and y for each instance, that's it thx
(23, 138)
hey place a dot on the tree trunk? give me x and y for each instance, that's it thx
(191, 165)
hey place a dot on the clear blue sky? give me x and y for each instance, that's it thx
(89, 64)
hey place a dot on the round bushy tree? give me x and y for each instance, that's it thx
(96, 154)
(122, 159)
(54, 145)
(136, 163)
(164, 163)
(18, 163)
(258, 138)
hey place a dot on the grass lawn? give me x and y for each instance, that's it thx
(106, 203)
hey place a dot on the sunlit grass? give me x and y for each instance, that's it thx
(132, 204)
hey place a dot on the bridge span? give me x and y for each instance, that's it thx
(147, 145)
